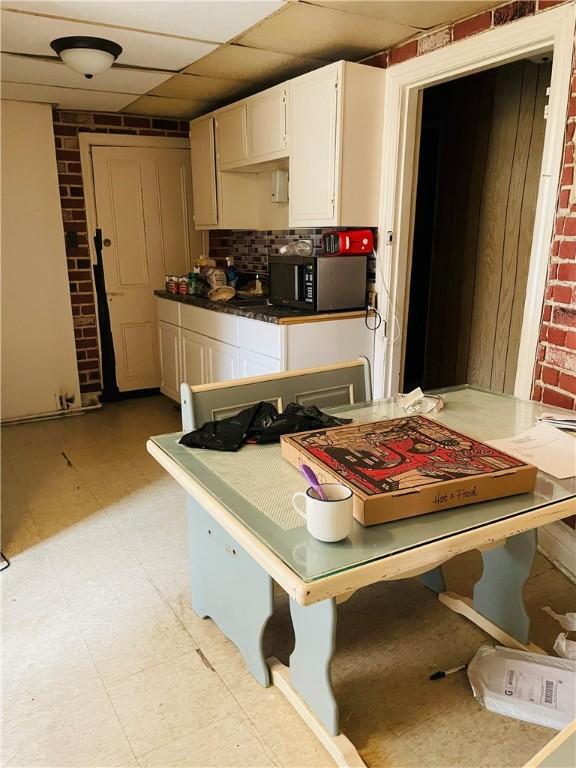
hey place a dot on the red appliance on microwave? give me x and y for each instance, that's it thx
(349, 241)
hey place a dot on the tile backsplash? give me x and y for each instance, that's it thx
(251, 248)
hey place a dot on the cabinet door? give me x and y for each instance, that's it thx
(203, 173)
(168, 336)
(223, 361)
(266, 124)
(313, 124)
(193, 357)
(254, 364)
(231, 136)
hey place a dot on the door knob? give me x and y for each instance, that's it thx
(107, 242)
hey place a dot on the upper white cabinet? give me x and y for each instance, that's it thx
(266, 121)
(231, 143)
(313, 119)
(335, 140)
(203, 155)
(325, 127)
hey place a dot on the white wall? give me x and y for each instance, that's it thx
(38, 354)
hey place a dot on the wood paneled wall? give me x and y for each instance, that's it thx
(490, 133)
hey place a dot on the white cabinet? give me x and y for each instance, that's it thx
(313, 117)
(231, 136)
(203, 156)
(223, 361)
(255, 364)
(169, 341)
(335, 140)
(266, 122)
(193, 358)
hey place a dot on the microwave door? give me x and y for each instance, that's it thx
(285, 282)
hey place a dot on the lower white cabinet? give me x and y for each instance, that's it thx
(194, 358)
(223, 361)
(170, 378)
(254, 364)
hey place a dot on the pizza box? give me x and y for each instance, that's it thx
(408, 466)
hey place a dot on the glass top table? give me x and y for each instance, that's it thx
(256, 486)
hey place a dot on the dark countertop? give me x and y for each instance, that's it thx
(265, 312)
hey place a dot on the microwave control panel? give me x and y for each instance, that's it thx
(309, 284)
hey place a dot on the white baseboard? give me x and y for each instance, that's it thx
(557, 542)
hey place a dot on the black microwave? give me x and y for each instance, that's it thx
(317, 283)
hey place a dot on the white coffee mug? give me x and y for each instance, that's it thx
(329, 520)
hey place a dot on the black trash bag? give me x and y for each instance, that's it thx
(261, 423)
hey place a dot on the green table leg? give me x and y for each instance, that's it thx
(315, 633)
(229, 587)
(498, 594)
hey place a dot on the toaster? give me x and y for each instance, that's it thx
(348, 241)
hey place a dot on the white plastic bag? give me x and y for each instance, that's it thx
(564, 647)
(526, 686)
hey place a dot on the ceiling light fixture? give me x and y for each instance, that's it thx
(87, 55)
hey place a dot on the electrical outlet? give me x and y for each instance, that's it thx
(372, 295)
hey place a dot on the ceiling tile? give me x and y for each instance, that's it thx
(66, 98)
(21, 69)
(251, 64)
(196, 87)
(215, 21)
(157, 105)
(322, 33)
(423, 14)
(27, 33)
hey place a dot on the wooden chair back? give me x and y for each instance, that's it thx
(330, 385)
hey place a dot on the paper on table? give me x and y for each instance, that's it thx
(546, 447)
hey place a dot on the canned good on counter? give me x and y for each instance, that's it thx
(183, 285)
(173, 284)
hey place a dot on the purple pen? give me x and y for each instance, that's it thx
(308, 473)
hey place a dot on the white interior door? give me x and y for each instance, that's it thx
(144, 209)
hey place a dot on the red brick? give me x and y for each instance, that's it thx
(567, 272)
(559, 225)
(560, 400)
(540, 352)
(65, 130)
(79, 274)
(570, 127)
(89, 331)
(472, 26)
(569, 154)
(72, 202)
(547, 312)
(567, 176)
(572, 107)
(131, 121)
(543, 332)
(79, 215)
(537, 393)
(544, 4)
(561, 358)
(87, 365)
(86, 343)
(513, 11)
(567, 249)
(107, 120)
(74, 167)
(562, 294)
(567, 383)
(537, 371)
(94, 387)
(67, 154)
(564, 198)
(550, 376)
(403, 52)
(570, 225)
(552, 271)
(570, 340)
(65, 178)
(88, 309)
(555, 335)
(88, 287)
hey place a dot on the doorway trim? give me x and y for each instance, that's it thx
(404, 83)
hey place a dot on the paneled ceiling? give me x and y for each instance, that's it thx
(181, 58)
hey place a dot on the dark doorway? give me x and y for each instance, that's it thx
(479, 169)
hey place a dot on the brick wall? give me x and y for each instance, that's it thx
(555, 367)
(67, 126)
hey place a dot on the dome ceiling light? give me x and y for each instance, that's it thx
(87, 55)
